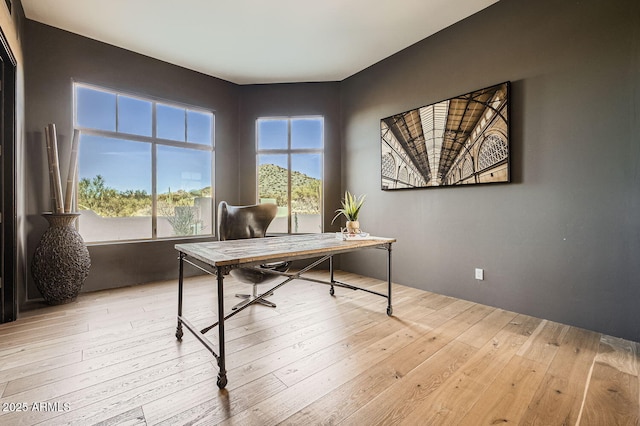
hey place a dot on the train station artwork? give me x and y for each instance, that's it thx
(460, 141)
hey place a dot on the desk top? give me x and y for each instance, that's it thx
(272, 249)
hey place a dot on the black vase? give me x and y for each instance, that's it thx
(61, 262)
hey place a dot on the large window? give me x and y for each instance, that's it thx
(290, 160)
(144, 167)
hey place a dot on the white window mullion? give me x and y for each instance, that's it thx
(154, 177)
(154, 191)
(117, 102)
(289, 206)
(186, 123)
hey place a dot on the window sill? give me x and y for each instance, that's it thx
(195, 239)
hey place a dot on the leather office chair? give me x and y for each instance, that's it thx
(240, 222)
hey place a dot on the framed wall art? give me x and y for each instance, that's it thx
(459, 141)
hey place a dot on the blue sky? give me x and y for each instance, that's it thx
(127, 165)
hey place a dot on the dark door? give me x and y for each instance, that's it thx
(8, 296)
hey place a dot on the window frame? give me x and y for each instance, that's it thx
(289, 151)
(155, 142)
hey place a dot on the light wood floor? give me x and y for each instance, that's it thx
(111, 358)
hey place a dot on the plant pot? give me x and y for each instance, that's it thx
(353, 226)
(61, 262)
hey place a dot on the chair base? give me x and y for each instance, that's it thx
(249, 298)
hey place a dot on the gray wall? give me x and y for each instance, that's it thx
(286, 100)
(562, 242)
(54, 58)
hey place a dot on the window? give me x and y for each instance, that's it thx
(290, 163)
(388, 166)
(493, 150)
(144, 167)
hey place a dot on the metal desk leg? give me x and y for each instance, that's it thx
(389, 307)
(332, 291)
(222, 375)
(179, 332)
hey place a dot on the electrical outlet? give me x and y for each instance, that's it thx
(479, 274)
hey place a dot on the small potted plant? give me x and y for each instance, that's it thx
(351, 206)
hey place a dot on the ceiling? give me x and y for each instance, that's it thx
(258, 41)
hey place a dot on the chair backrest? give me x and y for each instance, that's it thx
(240, 222)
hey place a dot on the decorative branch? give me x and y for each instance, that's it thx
(71, 175)
(54, 168)
(49, 162)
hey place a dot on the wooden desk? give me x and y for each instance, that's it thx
(219, 257)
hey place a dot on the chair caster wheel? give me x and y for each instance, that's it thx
(332, 291)
(389, 310)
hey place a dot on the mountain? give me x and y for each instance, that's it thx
(272, 183)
